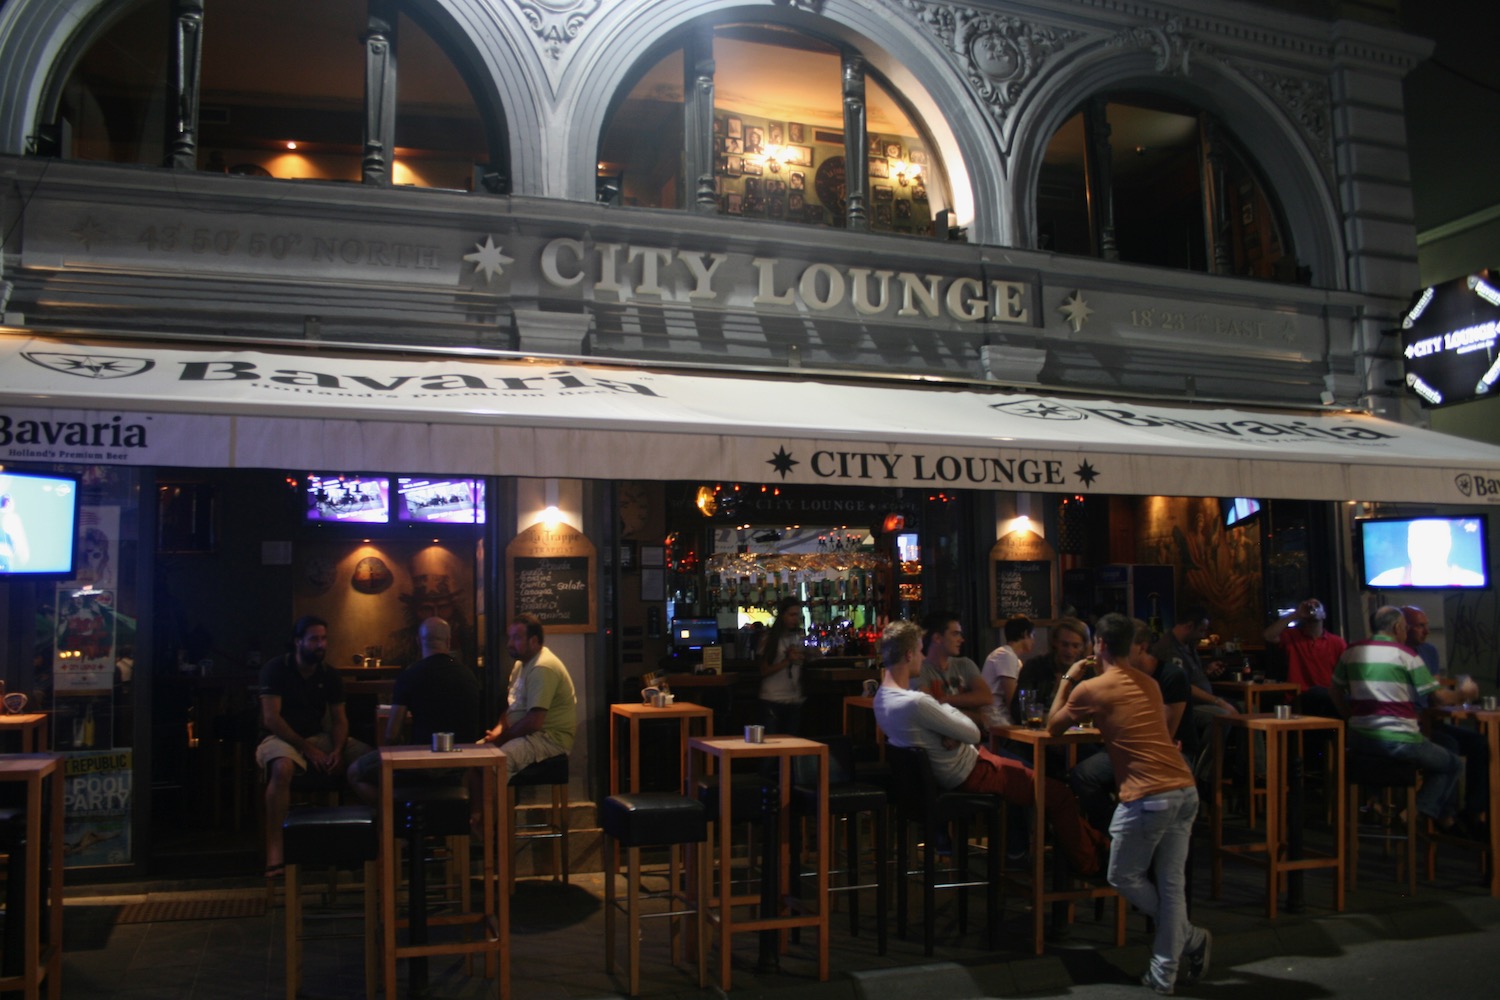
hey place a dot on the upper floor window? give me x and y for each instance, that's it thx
(280, 91)
(1140, 179)
(777, 147)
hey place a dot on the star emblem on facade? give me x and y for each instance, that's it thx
(1086, 473)
(782, 461)
(488, 260)
(89, 232)
(1076, 311)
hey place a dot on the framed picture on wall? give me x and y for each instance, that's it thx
(733, 145)
(795, 204)
(919, 192)
(881, 192)
(653, 585)
(755, 139)
(796, 180)
(796, 132)
(798, 156)
(732, 203)
(734, 165)
(653, 555)
(879, 168)
(718, 125)
(917, 155)
(893, 151)
(903, 211)
(734, 128)
(773, 134)
(751, 168)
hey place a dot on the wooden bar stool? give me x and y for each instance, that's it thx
(333, 837)
(653, 819)
(848, 798)
(1364, 773)
(423, 811)
(552, 772)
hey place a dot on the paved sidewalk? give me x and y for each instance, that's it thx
(558, 934)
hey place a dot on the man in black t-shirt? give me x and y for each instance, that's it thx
(305, 726)
(442, 696)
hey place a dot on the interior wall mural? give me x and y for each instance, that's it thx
(1217, 567)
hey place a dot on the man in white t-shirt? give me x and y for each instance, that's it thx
(1002, 668)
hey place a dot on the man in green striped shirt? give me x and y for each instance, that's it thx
(1378, 686)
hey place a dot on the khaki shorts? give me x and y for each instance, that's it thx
(274, 747)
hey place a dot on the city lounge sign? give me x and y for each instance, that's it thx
(630, 271)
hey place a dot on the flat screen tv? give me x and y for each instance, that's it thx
(349, 499)
(694, 633)
(38, 525)
(1424, 553)
(439, 501)
(1240, 510)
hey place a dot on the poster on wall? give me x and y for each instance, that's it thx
(96, 805)
(83, 654)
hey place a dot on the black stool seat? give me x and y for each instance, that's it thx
(746, 796)
(12, 828)
(842, 799)
(551, 771)
(341, 836)
(433, 810)
(1380, 772)
(652, 819)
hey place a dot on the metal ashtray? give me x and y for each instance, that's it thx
(755, 734)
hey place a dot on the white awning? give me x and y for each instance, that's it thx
(164, 404)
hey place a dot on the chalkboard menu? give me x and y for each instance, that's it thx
(1023, 587)
(550, 574)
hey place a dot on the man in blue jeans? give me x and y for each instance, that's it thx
(1377, 686)
(1158, 797)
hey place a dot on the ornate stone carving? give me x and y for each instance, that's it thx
(1166, 41)
(1308, 104)
(556, 22)
(1000, 54)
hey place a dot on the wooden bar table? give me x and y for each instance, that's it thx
(32, 726)
(1488, 721)
(632, 715)
(1272, 852)
(494, 917)
(42, 774)
(1251, 695)
(1040, 740)
(722, 752)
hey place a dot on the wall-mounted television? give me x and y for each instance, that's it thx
(349, 499)
(694, 633)
(1424, 553)
(38, 524)
(439, 501)
(1239, 510)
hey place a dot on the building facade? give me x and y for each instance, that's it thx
(1178, 203)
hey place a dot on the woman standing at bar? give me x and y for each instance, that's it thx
(780, 663)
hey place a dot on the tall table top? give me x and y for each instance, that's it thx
(676, 710)
(20, 766)
(416, 757)
(1041, 737)
(774, 746)
(1268, 722)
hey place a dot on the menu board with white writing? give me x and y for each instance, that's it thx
(550, 574)
(1023, 587)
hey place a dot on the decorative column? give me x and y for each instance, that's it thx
(380, 94)
(185, 78)
(856, 153)
(1099, 178)
(1215, 199)
(698, 119)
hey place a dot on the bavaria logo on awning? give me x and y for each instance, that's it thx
(90, 365)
